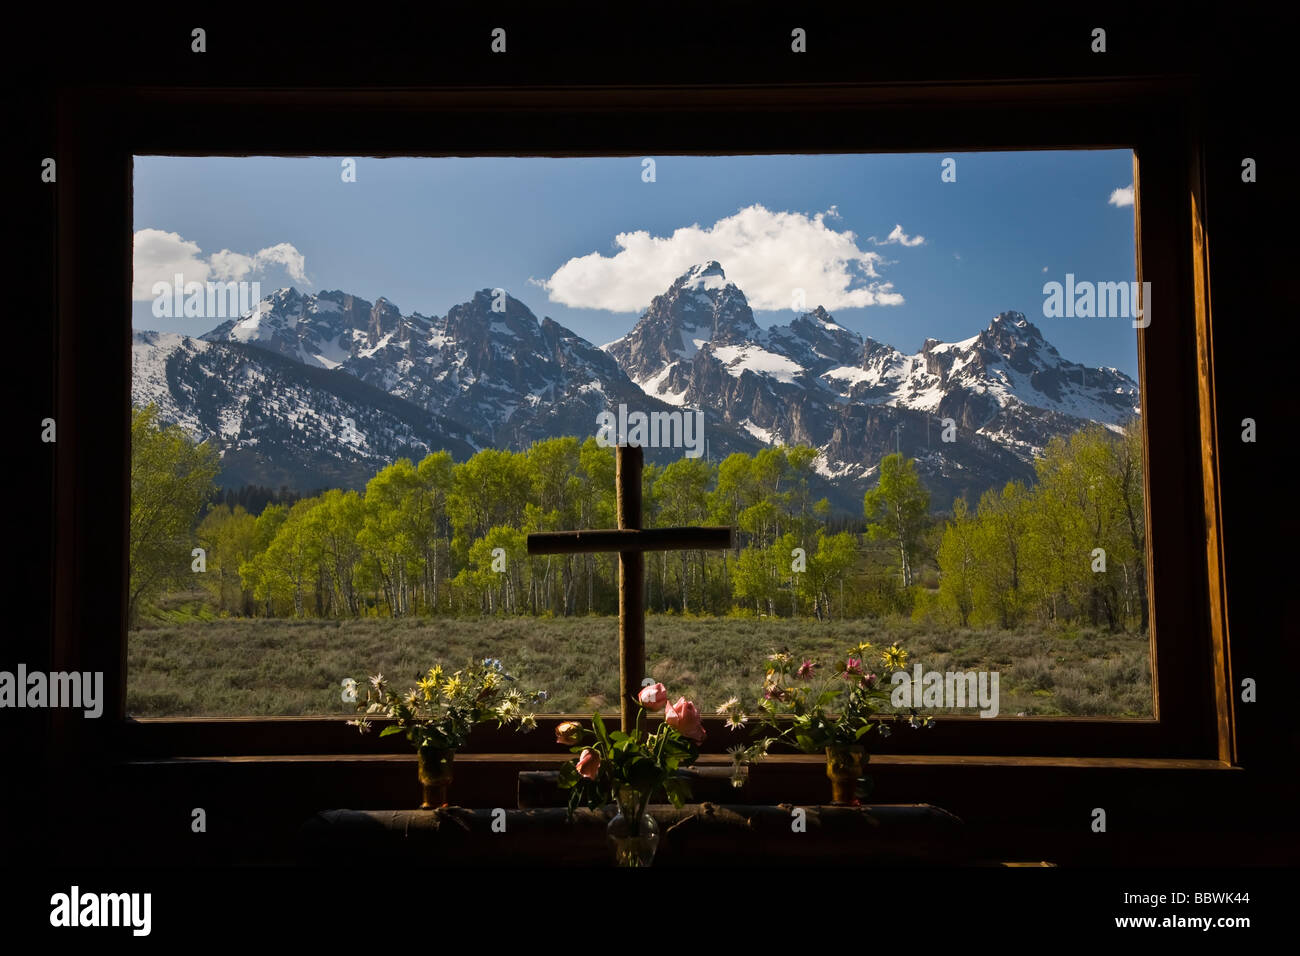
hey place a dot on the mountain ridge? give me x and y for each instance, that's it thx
(491, 374)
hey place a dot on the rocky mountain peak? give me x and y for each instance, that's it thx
(1018, 341)
(704, 275)
(385, 318)
(699, 308)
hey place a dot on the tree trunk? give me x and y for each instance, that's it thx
(684, 582)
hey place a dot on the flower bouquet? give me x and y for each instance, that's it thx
(831, 709)
(438, 714)
(626, 768)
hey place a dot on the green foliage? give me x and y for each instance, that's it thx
(898, 509)
(958, 560)
(229, 537)
(445, 537)
(1030, 552)
(171, 479)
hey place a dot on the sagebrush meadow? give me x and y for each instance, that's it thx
(253, 667)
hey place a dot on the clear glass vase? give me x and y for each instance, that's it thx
(633, 832)
(435, 767)
(844, 767)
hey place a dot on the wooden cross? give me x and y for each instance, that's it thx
(631, 542)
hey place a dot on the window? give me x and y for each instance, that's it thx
(1182, 634)
(445, 432)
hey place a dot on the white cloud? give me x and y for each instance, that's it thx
(158, 256)
(897, 235)
(1122, 196)
(767, 254)
(1044, 268)
(229, 265)
(294, 262)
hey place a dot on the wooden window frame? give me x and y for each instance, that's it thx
(99, 131)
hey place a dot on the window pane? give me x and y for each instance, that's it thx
(909, 381)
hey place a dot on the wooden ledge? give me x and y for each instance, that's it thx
(535, 761)
(699, 835)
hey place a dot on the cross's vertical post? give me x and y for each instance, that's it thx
(628, 463)
(631, 541)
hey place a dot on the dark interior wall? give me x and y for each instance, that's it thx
(1237, 64)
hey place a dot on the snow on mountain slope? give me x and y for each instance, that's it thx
(275, 420)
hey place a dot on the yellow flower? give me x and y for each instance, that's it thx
(861, 649)
(429, 687)
(453, 686)
(894, 657)
(435, 674)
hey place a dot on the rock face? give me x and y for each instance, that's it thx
(278, 387)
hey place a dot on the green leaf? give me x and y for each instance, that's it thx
(643, 774)
(678, 790)
(390, 730)
(599, 726)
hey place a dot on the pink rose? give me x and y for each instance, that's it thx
(653, 696)
(685, 719)
(589, 764)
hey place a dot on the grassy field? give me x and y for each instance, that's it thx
(243, 667)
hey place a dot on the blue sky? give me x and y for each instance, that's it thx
(427, 233)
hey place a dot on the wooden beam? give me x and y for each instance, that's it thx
(629, 539)
(631, 584)
(691, 836)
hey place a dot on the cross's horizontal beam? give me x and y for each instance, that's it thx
(615, 540)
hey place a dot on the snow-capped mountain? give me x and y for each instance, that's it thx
(506, 378)
(815, 382)
(312, 389)
(278, 421)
